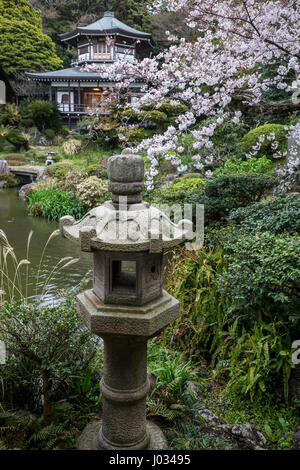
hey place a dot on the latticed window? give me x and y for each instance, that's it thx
(102, 48)
(83, 50)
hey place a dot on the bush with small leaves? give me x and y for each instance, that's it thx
(225, 193)
(179, 191)
(277, 215)
(59, 170)
(92, 192)
(263, 274)
(238, 166)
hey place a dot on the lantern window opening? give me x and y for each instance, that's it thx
(124, 276)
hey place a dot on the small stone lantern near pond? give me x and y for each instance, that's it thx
(127, 304)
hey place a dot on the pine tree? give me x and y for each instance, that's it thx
(23, 46)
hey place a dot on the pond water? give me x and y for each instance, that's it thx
(16, 223)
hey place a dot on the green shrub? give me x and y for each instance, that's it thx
(10, 115)
(93, 170)
(17, 139)
(64, 132)
(151, 115)
(279, 214)
(54, 204)
(240, 190)
(192, 279)
(10, 181)
(50, 134)
(262, 282)
(227, 137)
(190, 185)
(27, 122)
(259, 359)
(44, 114)
(276, 131)
(237, 166)
(167, 108)
(263, 274)
(179, 191)
(191, 175)
(172, 110)
(31, 154)
(239, 308)
(137, 135)
(226, 193)
(59, 170)
(50, 352)
(92, 192)
(99, 170)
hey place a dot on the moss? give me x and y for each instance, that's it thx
(268, 130)
(137, 135)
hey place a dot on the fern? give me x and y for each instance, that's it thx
(157, 408)
(2, 445)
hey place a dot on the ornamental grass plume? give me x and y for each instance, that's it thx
(15, 273)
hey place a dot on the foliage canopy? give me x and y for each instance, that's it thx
(24, 47)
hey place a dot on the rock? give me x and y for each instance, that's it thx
(294, 384)
(209, 417)
(241, 436)
(248, 434)
(4, 170)
(296, 439)
(193, 390)
(43, 141)
(25, 188)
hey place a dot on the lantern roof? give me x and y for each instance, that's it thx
(126, 223)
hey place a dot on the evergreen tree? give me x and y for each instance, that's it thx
(23, 46)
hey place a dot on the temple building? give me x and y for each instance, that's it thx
(105, 41)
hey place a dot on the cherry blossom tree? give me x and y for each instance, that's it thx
(217, 76)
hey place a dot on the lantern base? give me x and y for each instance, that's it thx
(89, 438)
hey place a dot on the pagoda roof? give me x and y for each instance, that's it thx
(70, 74)
(107, 25)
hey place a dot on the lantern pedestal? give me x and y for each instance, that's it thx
(124, 386)
(88, 440)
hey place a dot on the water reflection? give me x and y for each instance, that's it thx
(16, 223)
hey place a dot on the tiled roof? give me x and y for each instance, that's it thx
(106, 25)
(71, 74)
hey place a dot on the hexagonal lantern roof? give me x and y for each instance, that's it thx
(126, 223)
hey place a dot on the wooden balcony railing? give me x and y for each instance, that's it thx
(78, 108)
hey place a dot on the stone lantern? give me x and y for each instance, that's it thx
(127, 304)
